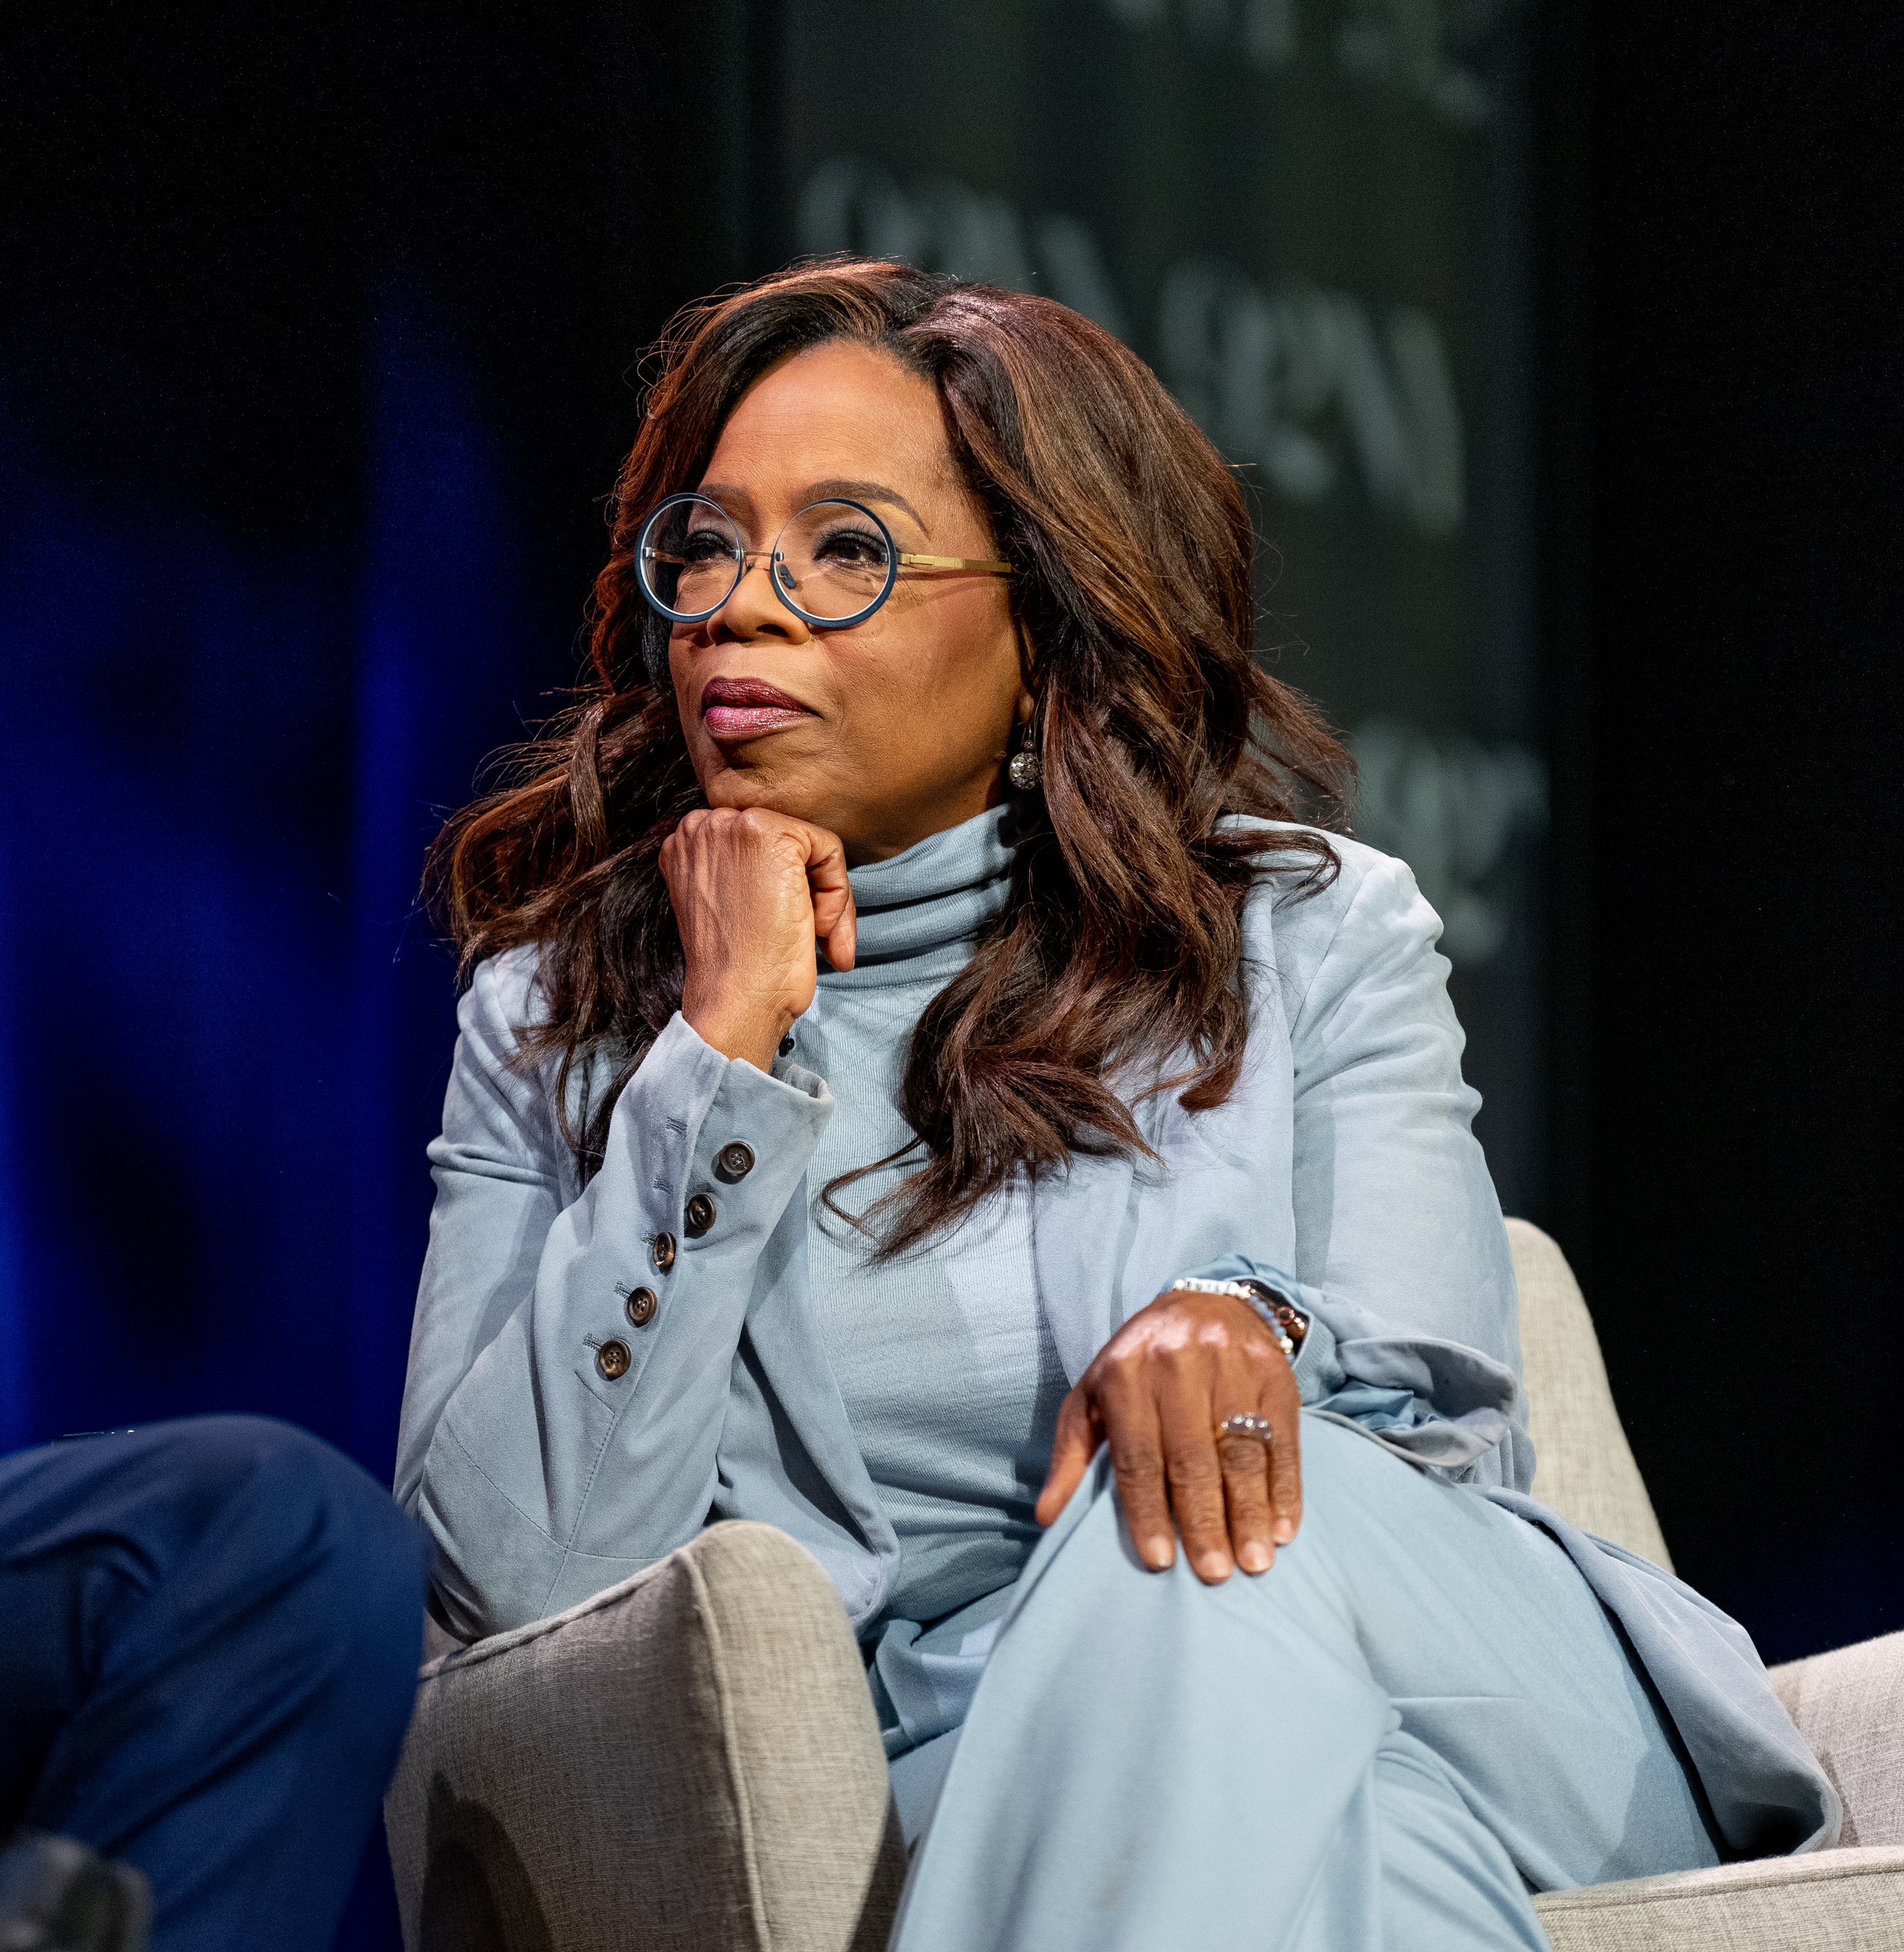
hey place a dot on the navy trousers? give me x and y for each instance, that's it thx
(209, 1636)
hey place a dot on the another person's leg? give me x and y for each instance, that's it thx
(1418, 1712)
(212, 1630)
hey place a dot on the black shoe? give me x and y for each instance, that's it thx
(57, 1896)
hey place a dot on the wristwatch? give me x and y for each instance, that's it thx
(1287, 1323)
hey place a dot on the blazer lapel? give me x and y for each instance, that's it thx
(1112, 1233)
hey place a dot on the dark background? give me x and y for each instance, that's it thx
(317, 348)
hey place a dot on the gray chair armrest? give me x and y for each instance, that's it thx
(1849, 1706)
(1826, 1901)
(689, 1762)
(1584, 1467)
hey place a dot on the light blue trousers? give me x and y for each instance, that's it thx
(1418, 1713)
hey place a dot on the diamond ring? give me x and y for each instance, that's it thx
(1258, 1427)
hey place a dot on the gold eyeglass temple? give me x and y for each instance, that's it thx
(952, 562)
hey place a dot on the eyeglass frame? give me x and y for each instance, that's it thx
(896, 559)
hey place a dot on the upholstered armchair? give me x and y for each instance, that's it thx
(689, 1762)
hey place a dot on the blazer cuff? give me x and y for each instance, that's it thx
(1436, 1402)
(714, 1149)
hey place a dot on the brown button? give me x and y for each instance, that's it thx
(663, 1249)
(612, 1359)
(699, 1216)
(641, 1305)
(734, 1160)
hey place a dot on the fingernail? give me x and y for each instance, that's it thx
(1255, 1556)
(1160, 1552)
(1214, 1566)
(1285, 1531)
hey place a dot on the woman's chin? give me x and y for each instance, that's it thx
(751, 778)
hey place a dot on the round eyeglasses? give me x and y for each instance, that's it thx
(833, 564)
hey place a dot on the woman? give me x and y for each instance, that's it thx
(1107, 1171)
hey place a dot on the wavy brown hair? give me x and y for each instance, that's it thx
(1117, 958)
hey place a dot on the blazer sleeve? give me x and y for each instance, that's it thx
(544, 1475)
(1401, 1260)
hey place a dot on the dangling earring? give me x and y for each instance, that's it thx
(1026, 770)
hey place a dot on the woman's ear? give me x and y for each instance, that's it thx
(1026, 705)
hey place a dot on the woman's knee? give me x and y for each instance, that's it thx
(1358, 1496)
(1095, 1608)
(1349, 1479)
(1362, 1508)
(1099, 1571)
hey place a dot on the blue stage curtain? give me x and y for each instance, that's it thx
(226, 1023)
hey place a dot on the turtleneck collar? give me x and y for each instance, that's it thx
(920, 910)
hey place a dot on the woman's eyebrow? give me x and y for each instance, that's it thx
(736, 501)
(864, 491)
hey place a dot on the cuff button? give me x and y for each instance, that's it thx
(612, 1359)
(641, 1305)
(734, 1160)
(786, 1045)
(699, 1216)
(662, 1248)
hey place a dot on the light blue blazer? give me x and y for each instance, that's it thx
(1341, 1170)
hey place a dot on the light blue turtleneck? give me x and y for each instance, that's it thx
(957, 1464)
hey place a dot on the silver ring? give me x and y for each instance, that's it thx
(1241, 1425)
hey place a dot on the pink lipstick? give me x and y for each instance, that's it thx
(744, 708)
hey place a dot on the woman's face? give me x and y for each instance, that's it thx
(895, 728)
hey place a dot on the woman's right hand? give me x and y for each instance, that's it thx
(753, 891)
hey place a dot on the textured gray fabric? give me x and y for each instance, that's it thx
(685, 1762)
(804, 1747)
(1584, 1465)
(1849, 1706)
(1831, 1901)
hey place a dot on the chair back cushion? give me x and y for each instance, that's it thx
(1584, 1467)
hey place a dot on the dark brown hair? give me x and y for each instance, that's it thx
(1118, 956)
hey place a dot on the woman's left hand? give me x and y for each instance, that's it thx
(1156, 1393)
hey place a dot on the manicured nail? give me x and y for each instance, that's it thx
(1285, 1531)
(1255, 1556)
(1214, 1566)
(1160, 1552)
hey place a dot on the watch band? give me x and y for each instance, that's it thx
(1286, 1322)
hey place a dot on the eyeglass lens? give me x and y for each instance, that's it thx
(833, 562)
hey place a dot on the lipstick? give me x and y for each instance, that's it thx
(734, 709)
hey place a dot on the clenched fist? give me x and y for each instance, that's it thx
(753, 892)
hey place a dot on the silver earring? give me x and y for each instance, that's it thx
(1025, 770)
